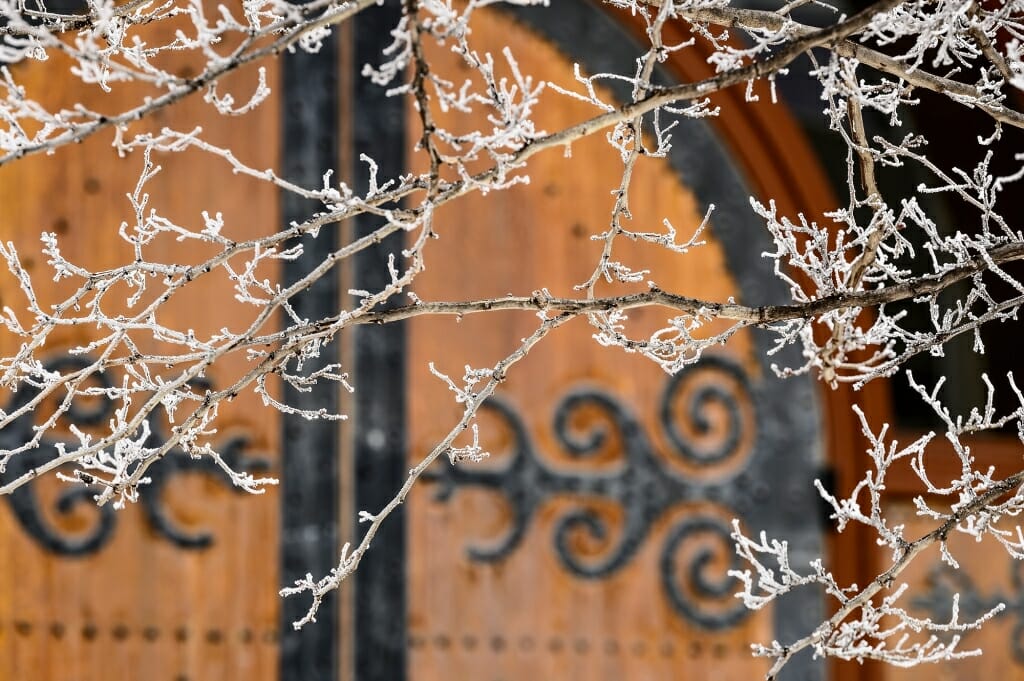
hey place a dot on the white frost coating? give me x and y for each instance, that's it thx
(875, 282)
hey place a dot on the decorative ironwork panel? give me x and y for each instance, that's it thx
(729, 458)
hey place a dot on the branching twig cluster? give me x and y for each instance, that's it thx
(851, 280)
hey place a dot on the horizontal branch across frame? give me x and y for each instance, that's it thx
(751, 315)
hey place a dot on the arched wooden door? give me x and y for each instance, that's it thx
(594, 544)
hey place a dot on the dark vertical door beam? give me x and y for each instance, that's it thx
(309, 463)
(378, 437)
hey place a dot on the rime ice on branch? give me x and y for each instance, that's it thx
(853, 279)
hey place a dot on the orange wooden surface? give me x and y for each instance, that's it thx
(141, 607)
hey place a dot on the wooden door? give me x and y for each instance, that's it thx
(986, 578)
(183, 585)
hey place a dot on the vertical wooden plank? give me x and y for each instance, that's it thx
(143, 603)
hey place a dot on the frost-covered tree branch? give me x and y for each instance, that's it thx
(978, 504)
(860, 279)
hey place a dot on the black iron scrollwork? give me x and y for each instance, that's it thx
(25, 502)
(698, 572)
(640, 487)
(696, 410)
(943, 581)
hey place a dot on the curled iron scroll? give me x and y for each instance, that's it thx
(25, 502)
(692, 587)
(697, 407)
(619, 544)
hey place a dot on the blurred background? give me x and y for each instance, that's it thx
(594, 542)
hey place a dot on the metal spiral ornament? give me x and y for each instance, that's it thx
(692, 586)
(24, 501)
(944, 582)
(701, 401)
